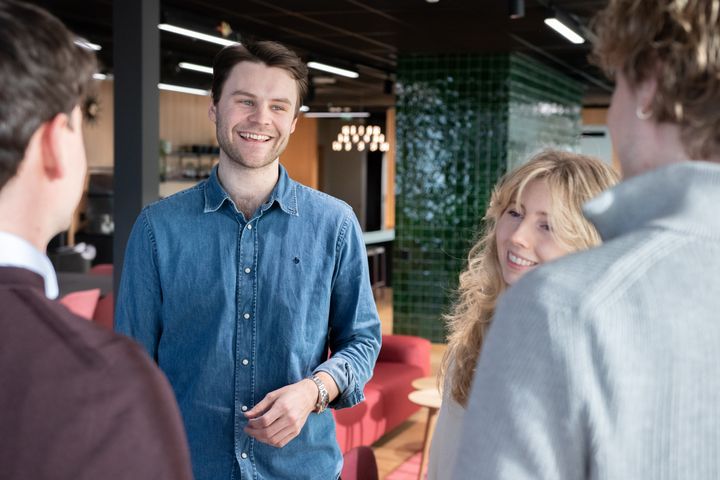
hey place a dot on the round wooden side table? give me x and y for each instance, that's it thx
(429, 398)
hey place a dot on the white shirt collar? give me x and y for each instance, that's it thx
(18, 252)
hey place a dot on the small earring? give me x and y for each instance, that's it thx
(642, 114)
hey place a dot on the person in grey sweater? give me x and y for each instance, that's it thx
(605, 364)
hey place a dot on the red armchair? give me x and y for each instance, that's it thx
(402, 359)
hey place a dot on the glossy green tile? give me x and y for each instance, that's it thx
(462, 120)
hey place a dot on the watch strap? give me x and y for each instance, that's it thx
(323, 396)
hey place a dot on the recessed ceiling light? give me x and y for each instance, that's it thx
(324, 80)
(81, 42)
(197, 35)
(178, 88)
(564, 30)
(331, 69)
(195, 67)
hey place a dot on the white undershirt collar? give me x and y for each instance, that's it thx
(18, 252)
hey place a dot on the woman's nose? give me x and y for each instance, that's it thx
(521, 235)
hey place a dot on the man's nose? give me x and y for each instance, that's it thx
(260, 114)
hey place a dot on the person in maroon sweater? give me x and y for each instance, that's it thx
(76, 401)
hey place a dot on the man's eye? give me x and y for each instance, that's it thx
(280, 108)
(247, 102)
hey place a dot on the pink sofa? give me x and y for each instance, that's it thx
(402, 359)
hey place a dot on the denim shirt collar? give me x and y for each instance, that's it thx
(284, 193)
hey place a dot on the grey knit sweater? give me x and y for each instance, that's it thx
(606, 364)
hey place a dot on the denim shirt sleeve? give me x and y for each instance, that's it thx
(354, 336)
(137, 309)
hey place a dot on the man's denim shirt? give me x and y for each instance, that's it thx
(233, 309)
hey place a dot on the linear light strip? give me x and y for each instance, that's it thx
(331, 69)
(193, 34)
(195, 67)
(81, 42)
(178, 88)
(564, 30)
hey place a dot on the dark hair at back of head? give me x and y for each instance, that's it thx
(272, 54)
(42, 72)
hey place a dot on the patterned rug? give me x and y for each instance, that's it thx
(408, 470)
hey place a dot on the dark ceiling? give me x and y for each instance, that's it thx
(364, 35)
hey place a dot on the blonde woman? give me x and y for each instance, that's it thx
(534, 217)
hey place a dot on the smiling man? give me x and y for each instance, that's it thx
(239, 286)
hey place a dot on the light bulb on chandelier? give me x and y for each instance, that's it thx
(360, 137)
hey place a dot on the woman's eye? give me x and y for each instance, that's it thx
(545, 226)
(514, 213)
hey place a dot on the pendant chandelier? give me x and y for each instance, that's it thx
(361, 138)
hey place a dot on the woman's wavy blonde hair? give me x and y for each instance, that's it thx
(678, 43)
(572, 180)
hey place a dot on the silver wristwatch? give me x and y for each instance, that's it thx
(323, 397)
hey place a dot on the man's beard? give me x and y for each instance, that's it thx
(233, 152)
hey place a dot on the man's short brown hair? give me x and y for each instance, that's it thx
(43, 72)
(272, 54)
(678, 43)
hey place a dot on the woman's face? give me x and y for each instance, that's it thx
(523, 234)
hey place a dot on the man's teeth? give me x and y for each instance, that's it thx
(520, 261)
(255, 136)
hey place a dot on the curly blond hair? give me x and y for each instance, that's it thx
(678, 43)
(572, 180)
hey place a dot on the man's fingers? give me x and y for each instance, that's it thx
(276, 437)
(262, 406)
(280, 416)
(281, 441)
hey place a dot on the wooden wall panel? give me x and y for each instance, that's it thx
(184, 119)
(98, 135)
(301, 155)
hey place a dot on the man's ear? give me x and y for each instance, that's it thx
(212, 112)
(52, 141)
(645, 93)
(292, 127)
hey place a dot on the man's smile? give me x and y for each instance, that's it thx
(256, 137)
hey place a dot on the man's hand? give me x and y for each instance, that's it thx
(280, 416)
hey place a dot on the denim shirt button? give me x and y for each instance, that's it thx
(246, 316)
(245, 361)
(244, 408)
(249, 227)
(247, 269)
(243, 455)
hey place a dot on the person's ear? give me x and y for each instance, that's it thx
(645, 93)
(294, 122)
(212, 113)
(52, 144)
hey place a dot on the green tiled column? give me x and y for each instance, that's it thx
(461, 121)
